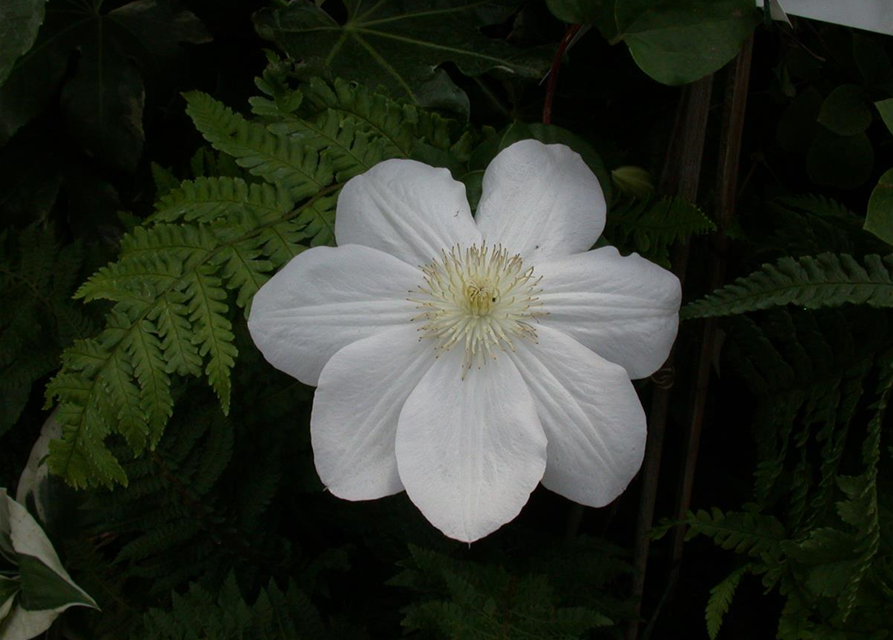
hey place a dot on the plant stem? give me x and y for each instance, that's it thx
(553, 72)
(726, 198)
(681, 176)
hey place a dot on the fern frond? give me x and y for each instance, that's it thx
(213, 332)
(720, 599)
(37, 276)
(860, 510)
(651, 228)
(210, 199)
(826, 280)
(244, 270)
(198, 614)
(277, 159)
(755, 534)
(175, 329)
(147, 354)
(395, 124)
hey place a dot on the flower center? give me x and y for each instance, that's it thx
(479, 298)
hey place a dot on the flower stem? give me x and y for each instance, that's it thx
(553, 72)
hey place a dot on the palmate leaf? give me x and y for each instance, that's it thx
(826, 280)
(399, 44)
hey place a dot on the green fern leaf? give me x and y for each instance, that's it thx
(351, 148)
(124, 398)
(213, 334)
(158, 540)
(147, 354)
(651, 228)
(720, 599)
(243, 270)
(277, 159)
(743, 532)
(826, 280)
(175, 329)
(80, 454)
(319, 220)
(281, 242)
(210, 199)
(393, 123)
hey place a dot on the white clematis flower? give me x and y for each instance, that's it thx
(467, 360)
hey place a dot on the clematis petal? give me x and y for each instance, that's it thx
(626, 309)
(355, 411)
(591, 414)
(407, 209)
(470, 451)
(541, 201)
(325, 299)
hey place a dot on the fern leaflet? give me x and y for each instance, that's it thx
(826, 280)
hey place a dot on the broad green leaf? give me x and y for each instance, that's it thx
(398, 43)
(19, 22)
(35, 77)
(879, 220)
(103, 99)
(678, 41)
(9, 589)
(597, 12)
(844, 111)
(151, 31)
(885, 108)
(45, 588)
(844, 162)
(103, 104)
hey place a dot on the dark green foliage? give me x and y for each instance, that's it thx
(821, 379)
(176, 520)
(37, 317)
(400, 44)
(275, 615)
(651, 227)
(826, 280)
(462, 599)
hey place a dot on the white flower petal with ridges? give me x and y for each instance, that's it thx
(626, 309)
(325, 299)
(407, 209)
(356, 408)
(470, 451)
(541, 201)
(592, 417)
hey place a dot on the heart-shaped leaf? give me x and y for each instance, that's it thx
(679, 41)
(879, 220)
